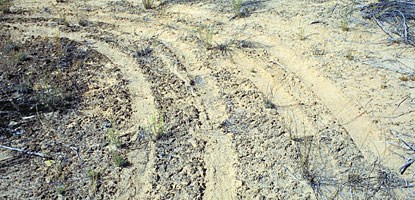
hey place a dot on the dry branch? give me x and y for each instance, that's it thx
(24, 151)
(406, 165)
(394, 18)
(409, 161)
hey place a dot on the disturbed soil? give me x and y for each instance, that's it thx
(193, 100)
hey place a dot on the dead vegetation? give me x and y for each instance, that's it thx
(395, 18)
(359, 180)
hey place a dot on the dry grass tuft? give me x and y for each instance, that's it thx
(148, 4)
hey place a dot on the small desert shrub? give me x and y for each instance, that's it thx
(49, 94)
(148, 4)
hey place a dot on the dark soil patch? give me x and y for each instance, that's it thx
(69, 103)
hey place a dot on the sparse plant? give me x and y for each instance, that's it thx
(344, 24)
(345, 18)
(83, 22)
(157, 126)
(11, 46)
(268, 99)
(301, 34)
(148, 4)
(63, 20)
(269, 104)
(206, 35)
(93, 175)
(225, 49)
(349, 55)
(237, 8)
(113, 137)
(47, 92)
(318, 51)
(58, 44)
(20, 57)
(60, 189)
(119, 160)
(308, 172)
(51, 95)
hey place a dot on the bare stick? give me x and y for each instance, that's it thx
(24, 151)
(406, 165)
(399, 104)
(380, 26)
(407, 144)
(405, 27)
(410, 161)
(409, 186)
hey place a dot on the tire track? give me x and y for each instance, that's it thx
(218, 141)
(263, 146)
(366, 135)
(311, 118)
(136, 179)
(332, 139)
(219, 155)
(218, 177)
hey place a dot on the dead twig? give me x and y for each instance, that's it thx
(405, 27)
(24, 151)
(381, 27)
(400, 115)
(399, 104)
(406, 165)
(410, 161)
(407, 144)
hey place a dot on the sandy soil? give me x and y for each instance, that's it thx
(281, 102)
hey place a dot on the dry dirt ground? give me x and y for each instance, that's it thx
(301, 99)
